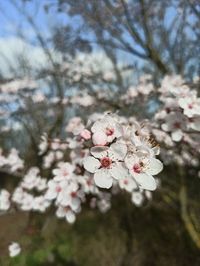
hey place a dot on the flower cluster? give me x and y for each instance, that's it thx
(106, 154)
(177, 123)
(111, 153)
(11, 161)
(122, 153)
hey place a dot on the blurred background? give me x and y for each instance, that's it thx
(66, 58)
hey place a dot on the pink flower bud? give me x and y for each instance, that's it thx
(85, 134)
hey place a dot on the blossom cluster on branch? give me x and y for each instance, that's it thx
(107, 154)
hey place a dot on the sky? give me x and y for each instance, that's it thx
(13, 23)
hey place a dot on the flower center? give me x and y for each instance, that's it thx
(177, 125)
(109, 131)
(137, 168)
(89, 182)
(58, 189)
(190, 106)
(65, 173)
(106, 162)
(125, 182)
(73, 194)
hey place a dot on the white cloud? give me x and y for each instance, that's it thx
(13, 47)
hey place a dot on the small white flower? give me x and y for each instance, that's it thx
(14, 249)
(4, 200)
(128, 183)
(176, 124)
(64, 171)
(137, 198)
(106, 130)
(40, 204)
(67, 213)
(30, 179)
(190, 105)
(55, 188)
(143, 168)
(106, 164)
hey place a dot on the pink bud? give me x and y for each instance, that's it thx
(85, 134)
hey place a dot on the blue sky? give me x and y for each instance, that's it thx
(11, 18)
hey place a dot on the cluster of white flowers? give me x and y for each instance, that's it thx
(143, 89)
(122, 152)
(23, 196)
(181, 112)
(14, 249)
(178, 121)
(112, 153)
(4, 200)
(107, 155)
(11, 161)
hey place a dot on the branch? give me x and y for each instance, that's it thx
(189, 226)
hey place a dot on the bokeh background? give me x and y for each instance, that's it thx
(55, 50)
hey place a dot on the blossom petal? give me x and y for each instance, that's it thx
(118, 171)
(103, 178)
(155, 166)
(145, 181)
(99, 138)
(117, 151)
(70, 217)
(137, 198)
(75, 203)
(98, 126)
(60, 212)
(99, 151)
(131, 160)
(91, 164)
(177, 135)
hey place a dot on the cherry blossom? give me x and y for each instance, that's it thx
(14, 249)
(106, 164)
(142, 168)
(67, 213)
(4, 200)
(64, 171)
(175, 123)
(106, 130)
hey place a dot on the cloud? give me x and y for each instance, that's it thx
(12, 48)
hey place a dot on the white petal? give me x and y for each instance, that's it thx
(75, 204)
(51, 194)
(118, 171)
(99, 151)
(91, 164)
(145, 181)
(70, 217)
(177, 135)
(195, 125)
(137, 198)
(118, 130)
(131, 160)
(165, 127)
(98, 126)
(99, 138)
(103, 178)
(154, 167)
(60, 212)
(117, 151)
